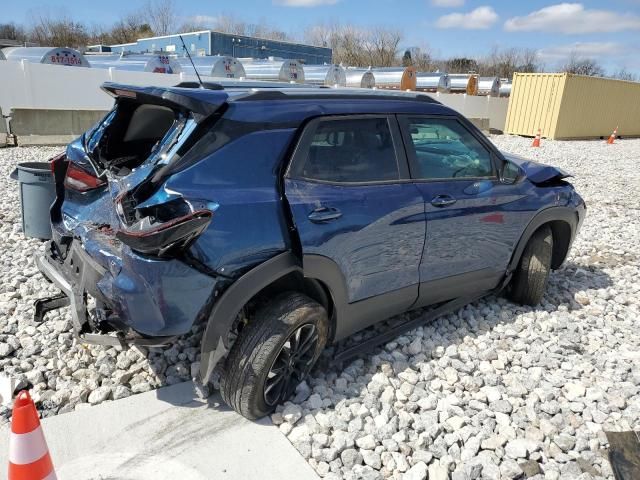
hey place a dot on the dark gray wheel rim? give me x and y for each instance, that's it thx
(291, 365)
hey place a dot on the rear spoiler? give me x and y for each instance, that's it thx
(202, 103)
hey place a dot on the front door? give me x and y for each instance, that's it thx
(360, 221)
(473, 219)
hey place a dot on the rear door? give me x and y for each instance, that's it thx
(359, 218)
(473, 219)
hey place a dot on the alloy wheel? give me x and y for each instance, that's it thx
(291, 365)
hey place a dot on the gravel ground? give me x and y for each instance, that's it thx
(493, 391)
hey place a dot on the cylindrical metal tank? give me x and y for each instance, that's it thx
(154, 63)
(464, 83)
(328, 75)
(505, 87)
(360, 77)
(433, 82)
(215, 66)
(397, 78)
(489, 86)
(67, 57)
(274, 70)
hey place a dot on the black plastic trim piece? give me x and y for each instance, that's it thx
(44, 305)
(226, 308)
(397, 330)
(624, 454)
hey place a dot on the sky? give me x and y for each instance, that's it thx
(608, 31)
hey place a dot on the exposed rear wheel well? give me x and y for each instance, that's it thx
(561, 240)
(296, 282)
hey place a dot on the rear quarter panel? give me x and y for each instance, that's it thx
(242, 180)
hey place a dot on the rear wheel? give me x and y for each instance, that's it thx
(530, 278)
(273, 354)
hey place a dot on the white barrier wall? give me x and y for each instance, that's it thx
(493, 108)
(50, 87)
(47, 87)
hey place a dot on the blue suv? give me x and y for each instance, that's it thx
(285, 219)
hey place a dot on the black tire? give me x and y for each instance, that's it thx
(530, 278)
(264, 340)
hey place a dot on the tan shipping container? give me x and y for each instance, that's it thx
(566, 106)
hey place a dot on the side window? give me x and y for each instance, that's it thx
(349, 150)
(444, 148)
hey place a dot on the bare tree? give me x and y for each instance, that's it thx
(263, 29)
(504, 62)
(382, 45)
(321, 35)
(461, 65)
(351, 47)
(624, 74)
(11, 31)
(57, 32)
(530, 61)
(161, 15)
(582, 66)
(230, 24)
(355, 46)
(419, 57)
(126, 30)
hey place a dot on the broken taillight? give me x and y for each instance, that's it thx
(161, 239)
(80, 180)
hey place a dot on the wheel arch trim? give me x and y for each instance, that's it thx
(226, 308)
(549, 215)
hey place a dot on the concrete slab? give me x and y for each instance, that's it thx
(41, 140)
(40, 121)
(34, 126)
(166, 434)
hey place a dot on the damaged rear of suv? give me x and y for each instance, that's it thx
(119, 237)
(285, 219)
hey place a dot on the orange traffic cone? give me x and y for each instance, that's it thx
(536, 141)
(28, 452)
(612, 138)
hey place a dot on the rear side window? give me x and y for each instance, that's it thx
(444, 149)
(350, 150)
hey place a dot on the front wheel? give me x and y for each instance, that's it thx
(273, 354)
(530, 278)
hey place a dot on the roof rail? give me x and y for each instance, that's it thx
(335, 95)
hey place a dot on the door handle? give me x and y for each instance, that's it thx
(442, 201)
(324, 214)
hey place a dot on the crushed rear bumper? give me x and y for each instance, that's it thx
(123, 299)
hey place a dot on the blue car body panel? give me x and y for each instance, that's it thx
(378, 241)
(390, 245)
(249, 225)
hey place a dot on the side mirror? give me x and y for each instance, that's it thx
(510, 173)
